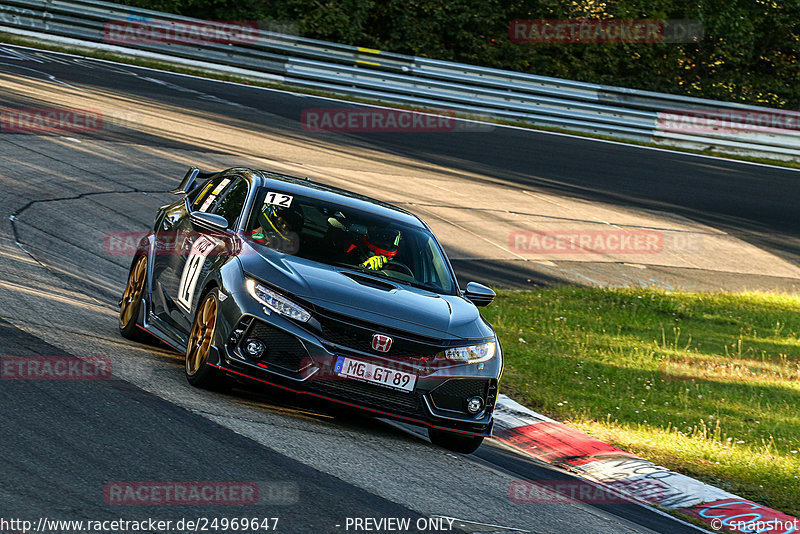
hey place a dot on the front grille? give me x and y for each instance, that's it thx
(452, 395)
(358, 336)
(368, 395)
(283, 349)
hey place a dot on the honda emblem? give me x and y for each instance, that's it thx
(381, 343)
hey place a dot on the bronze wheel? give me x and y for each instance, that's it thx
(132, 298)
(201, 336)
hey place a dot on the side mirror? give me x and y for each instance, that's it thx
(208, 221)
(479, 294)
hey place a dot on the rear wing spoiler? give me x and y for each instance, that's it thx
(192, 179)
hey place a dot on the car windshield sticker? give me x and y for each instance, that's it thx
(279, 199)
(213, 196)
(221, 186)
(207, 203)
(191, 271)
(205, 190)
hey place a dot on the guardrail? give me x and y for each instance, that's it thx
(422, 82)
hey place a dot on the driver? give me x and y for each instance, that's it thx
(375, 248)
(278, 227)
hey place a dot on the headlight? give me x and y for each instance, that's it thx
(471, 353)
(277, 303)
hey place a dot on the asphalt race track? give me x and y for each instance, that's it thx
(66, 195)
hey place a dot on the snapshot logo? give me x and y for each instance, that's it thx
(384, 120)
(569, 31)
(49, 120)
(54, 368)
(712, 120)
(181, 493)
(741, 515)
(573, 491)
(587, 242)
(155, 31)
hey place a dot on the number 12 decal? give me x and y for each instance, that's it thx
(279, 199)
(191, 271)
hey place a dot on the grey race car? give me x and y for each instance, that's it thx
(282, 281)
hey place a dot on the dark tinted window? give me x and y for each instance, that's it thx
(231, 201)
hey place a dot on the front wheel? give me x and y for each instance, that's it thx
(201, 339)
(453, 441)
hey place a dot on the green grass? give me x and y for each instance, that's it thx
(705, 384)
(215, 75)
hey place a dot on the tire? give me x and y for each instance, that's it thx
(131, 302)
(201, 338)
(453, 441)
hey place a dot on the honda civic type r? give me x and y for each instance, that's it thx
(263, 277)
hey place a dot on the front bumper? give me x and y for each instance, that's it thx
(300, 360)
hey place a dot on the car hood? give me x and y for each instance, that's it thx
(366, 298)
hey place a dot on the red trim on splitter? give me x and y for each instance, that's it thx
(317, 395)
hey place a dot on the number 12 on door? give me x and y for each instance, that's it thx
(191, 271)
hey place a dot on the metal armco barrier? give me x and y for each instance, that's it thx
(665, 119)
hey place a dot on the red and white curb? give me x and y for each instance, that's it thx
(642, 480)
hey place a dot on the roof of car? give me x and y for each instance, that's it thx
(343, 197)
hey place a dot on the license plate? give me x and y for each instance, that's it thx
(374, 374)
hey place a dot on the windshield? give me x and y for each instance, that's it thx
(329, 233)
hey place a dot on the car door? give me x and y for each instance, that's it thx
(209, 249)
(175, 241)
